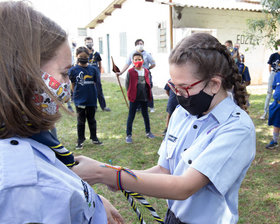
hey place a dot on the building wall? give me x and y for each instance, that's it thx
(229, 25)
(138, 20)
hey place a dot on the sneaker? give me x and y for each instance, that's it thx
(128, 139)
(272, 145)
(150, 135)
(152, 110)
(79, 146)
(97, 142)
(106, 109)
(263, 117)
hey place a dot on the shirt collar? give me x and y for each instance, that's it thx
(223, 110)
(220, 112)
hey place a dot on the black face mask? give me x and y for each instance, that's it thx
(83, 60)
(196, 104)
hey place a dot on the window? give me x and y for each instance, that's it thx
(162, 45)
(100, 43)
(123, 44)
(82, 32)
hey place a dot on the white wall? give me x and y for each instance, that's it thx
(139, 19)
(230, 25)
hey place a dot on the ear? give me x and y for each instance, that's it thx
(215, 84)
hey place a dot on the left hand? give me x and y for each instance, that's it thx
(113, 216)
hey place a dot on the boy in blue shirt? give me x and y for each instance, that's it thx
(83, 78)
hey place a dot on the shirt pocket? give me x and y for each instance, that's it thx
(170, 149)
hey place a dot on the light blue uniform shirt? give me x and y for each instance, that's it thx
(148, 59)
(221, 145)
(35, 187)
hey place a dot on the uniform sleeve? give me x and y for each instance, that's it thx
(228, 156)
(32, 204)
(98, 57)
(270, 60)
(95, 74)
(246, 75)
(129, 59)
(150, 59)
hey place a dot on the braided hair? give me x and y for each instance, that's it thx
(211, 59)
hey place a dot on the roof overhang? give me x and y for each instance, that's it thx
(116, 4)
(213, 4)
(216, 4)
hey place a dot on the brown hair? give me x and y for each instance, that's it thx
(81, 50)
(211, 58)
(28, 40)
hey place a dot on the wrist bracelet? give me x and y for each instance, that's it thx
(119, 176)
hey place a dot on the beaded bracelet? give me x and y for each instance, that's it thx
(119, 170)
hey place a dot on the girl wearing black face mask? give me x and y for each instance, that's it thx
(83, 78)
(195, 104)
(209, 144)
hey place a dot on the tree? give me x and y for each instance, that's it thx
(265, 30)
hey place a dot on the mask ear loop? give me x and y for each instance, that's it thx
(214, 94)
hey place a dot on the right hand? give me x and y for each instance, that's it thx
(87, 168)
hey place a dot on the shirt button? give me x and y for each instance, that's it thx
(14, 142)
(190, 161)
(195, 126)
(185, 149)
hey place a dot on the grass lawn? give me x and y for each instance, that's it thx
(259, 198)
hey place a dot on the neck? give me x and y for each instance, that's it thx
(137, 68)
(219, 97)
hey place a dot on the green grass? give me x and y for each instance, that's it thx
(259, 198)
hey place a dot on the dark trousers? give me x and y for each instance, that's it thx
(86, 113)
(131, 115)
(100, 95)
(170, 218)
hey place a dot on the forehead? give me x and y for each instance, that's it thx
(83, 54)
(89, 41)
(183, 74)
(137, 57)
(63, 54)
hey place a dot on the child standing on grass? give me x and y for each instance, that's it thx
(83, 77)
(139, 92)
(274, 112)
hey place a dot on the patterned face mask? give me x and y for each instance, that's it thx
(60, 90)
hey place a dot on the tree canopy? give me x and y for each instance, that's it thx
(265, 30)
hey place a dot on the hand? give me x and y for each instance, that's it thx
(118, 73)
(113, 216)
(87, 169)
